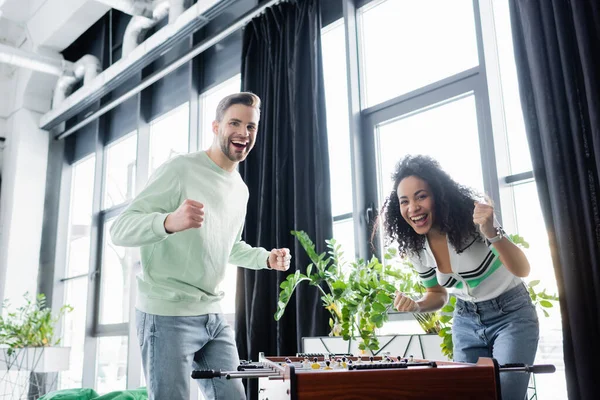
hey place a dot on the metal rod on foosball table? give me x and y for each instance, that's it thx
(255, 373)
(534, 369)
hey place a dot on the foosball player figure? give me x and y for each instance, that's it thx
(315, 364)
(306, 362)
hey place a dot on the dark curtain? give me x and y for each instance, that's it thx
(557, 51)
(287, 174)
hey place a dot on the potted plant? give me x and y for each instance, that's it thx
(27, 340)
(359, 294)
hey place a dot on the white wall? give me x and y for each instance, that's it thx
(22, 205)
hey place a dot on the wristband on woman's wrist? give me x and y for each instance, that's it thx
(497, 238)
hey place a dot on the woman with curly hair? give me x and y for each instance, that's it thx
(451, 240)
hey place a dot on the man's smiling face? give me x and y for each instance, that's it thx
(237, 131)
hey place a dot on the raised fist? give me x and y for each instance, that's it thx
(190, 214)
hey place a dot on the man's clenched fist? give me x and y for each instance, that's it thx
(190, 214)
(279, 259)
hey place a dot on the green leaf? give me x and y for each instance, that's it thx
(445, 331)
(448, 340)
(546, 303)
(378, 307)
(363, 289)
(374, 346)
(448, 308)
(384, 298)
(377, 319)
(534, 283)
(389, 287)
(307, 244)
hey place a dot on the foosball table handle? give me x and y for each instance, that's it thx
(206, 374)
(534, 369)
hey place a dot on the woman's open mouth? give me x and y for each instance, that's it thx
(420, 220)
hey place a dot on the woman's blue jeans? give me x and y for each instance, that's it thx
(505, 328)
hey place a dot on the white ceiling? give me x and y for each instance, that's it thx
(39, 26)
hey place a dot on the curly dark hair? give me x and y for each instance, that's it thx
(453, 207)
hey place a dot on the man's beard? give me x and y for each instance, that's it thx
(226, 149)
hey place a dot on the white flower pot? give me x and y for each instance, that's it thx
(35, 359)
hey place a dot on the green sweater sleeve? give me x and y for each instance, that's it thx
(246, 256)
(142, 222)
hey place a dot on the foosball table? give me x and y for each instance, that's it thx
(343, 376)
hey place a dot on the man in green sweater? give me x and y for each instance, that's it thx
(188, 223)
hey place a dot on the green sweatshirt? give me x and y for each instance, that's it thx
(181, 271)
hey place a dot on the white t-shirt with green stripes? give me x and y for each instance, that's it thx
(477, 272)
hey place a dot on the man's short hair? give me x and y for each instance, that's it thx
(245, 98)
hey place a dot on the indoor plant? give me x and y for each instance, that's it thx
(357, 295)
(30, 326)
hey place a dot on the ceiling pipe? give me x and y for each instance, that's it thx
(86, 68)
(138, 26)
(21, 58)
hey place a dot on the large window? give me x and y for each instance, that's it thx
(111, 370)
(120, 171)
(113, 290)
(169, 136)
(432, 131)
(520, 161)
(409, 44)
(115, 287)
(77, 268)
(333, 44)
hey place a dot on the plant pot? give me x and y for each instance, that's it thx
(35, 359)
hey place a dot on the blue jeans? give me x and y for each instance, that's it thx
(505, 328)
(173, 346)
